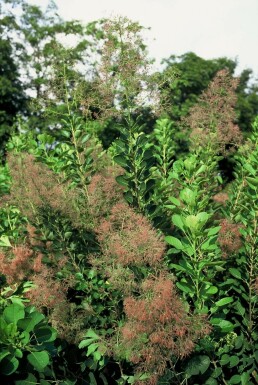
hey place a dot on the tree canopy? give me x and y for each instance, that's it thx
(194, 75)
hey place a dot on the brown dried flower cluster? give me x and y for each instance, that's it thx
(221, 198)
(49, 293)
(104, 192)
(36, 187)
(128, 238)
(17, 264)
(158, 326)
(213, 119)
(22, 263)
(229, 237)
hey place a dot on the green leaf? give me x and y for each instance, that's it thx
(97, 355)
(30, 380)
(4, 241)
(150, 184)
(92, 348)
(177, 267)
(122, 161)
(234, 361)
(178, 221)
(236, 379)
(252, 182)
(187, 248)
(85, 138)
(122, 181)
(213, 230)
(224, 301)
(212, 290)
(174, 242)
(18, 353)
(92, 379)
(14, 313)
(65, 133)
(210, 244)
(250, 168)
(216, 372)
(29, 322)
(91, 334)
(4, 354)
(188, 196)
(201, 169)
(25, 337)
(239, 342)
(196, 222)
(191, 222)
(148, 154)
(121, 145)
(44, 382)
(77, 133)
(245, 378)
(190, 163)
(235, 272)
(197, 365)
(202, 218)
(187, 265)
(9, 365)
(175, 201)
(45, 334)
(87, 153)
(224, 325)
(225, 358)
(128, 197)
(184, 287)
(39, 360)
(211, 381)
(240, 309)
(90, 337)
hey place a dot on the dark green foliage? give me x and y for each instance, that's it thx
(135, 155)
(26, 340)
(12, 96)
(247, 104)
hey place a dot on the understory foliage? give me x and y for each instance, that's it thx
(130, 265)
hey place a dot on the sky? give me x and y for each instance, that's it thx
(209, 28)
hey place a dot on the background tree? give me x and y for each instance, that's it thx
(12, 96)
(194, 75)
(247, 103)
(36, 40)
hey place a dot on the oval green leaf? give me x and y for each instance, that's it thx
(174, 242)
(224, 301)
(39, 360)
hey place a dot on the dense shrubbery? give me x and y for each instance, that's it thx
(130, 265)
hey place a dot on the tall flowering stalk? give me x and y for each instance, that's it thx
(127, 85)
(213, 119)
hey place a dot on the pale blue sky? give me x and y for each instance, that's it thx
(210, 28)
